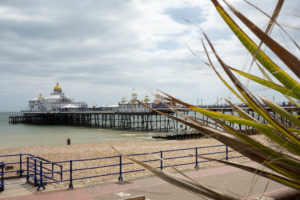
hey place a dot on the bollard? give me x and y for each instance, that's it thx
(120, 174)
(196, 155)
(71, 178)
(2, 177)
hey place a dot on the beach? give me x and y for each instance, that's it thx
(83, 151)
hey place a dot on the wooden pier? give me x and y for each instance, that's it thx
(147, 121)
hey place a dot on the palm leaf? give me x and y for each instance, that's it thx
(281, 111)
(268, 84)
(259, 172)
(241, 112)
(252, 101)
(289, 59)
(220, 77)
(295, 43)
(291, 167)
(197, 189)
(266, 130)
(280, 163)
(270, 25)
(280, 74)
(237, 145)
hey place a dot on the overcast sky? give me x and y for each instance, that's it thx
(100, 50)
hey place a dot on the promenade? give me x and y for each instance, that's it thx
(225, 179)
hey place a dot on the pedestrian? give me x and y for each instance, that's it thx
(68, 141)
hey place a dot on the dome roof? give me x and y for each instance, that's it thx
(124, 100)
(146, 100)
(57, 87)
(41, 97)
(157, 98)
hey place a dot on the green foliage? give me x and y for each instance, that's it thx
(284, 165)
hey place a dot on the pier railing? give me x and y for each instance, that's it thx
(41, 172)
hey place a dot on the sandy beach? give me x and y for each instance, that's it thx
(82, 151)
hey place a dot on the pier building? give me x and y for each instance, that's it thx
(56, 101)
(133, 106)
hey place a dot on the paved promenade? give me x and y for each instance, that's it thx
(225, 179)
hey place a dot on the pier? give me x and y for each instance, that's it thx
(58, 109)
(149, 121)
(140, 121)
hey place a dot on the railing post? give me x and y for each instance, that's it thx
(196, 161)
(35, 170)
(161, 160)
(71, 177)
(226, 153)
(41, 176)
(2, 165)
(27, 170)
(61, 173)
(21, 170)
(52, 170)
(120, 174)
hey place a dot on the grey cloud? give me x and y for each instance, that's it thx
(101, 45)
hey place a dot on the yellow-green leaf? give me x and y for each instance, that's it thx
(276, 71)
(268, 84)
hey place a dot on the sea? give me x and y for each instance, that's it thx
(16, 135)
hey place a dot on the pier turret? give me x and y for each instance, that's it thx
(134, 97)
(147, 100)
(57, 89)
(123, 100)
(157, 98)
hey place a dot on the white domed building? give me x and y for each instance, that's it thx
(56, 101)
(133, 106)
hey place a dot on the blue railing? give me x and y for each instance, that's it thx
(2, 166)
(17, 165)
(40, 171)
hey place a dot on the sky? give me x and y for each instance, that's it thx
(101, 51)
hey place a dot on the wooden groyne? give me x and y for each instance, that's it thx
(184, 136)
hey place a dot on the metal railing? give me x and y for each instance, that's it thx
(40, 171)
(16, 166)
(2, 166)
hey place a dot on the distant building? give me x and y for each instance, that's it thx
(133, 105)
(57, 101)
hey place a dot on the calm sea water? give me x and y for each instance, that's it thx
(35, 135)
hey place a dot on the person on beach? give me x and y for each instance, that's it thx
(68, 141)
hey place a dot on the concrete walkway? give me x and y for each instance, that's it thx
(225, 179)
